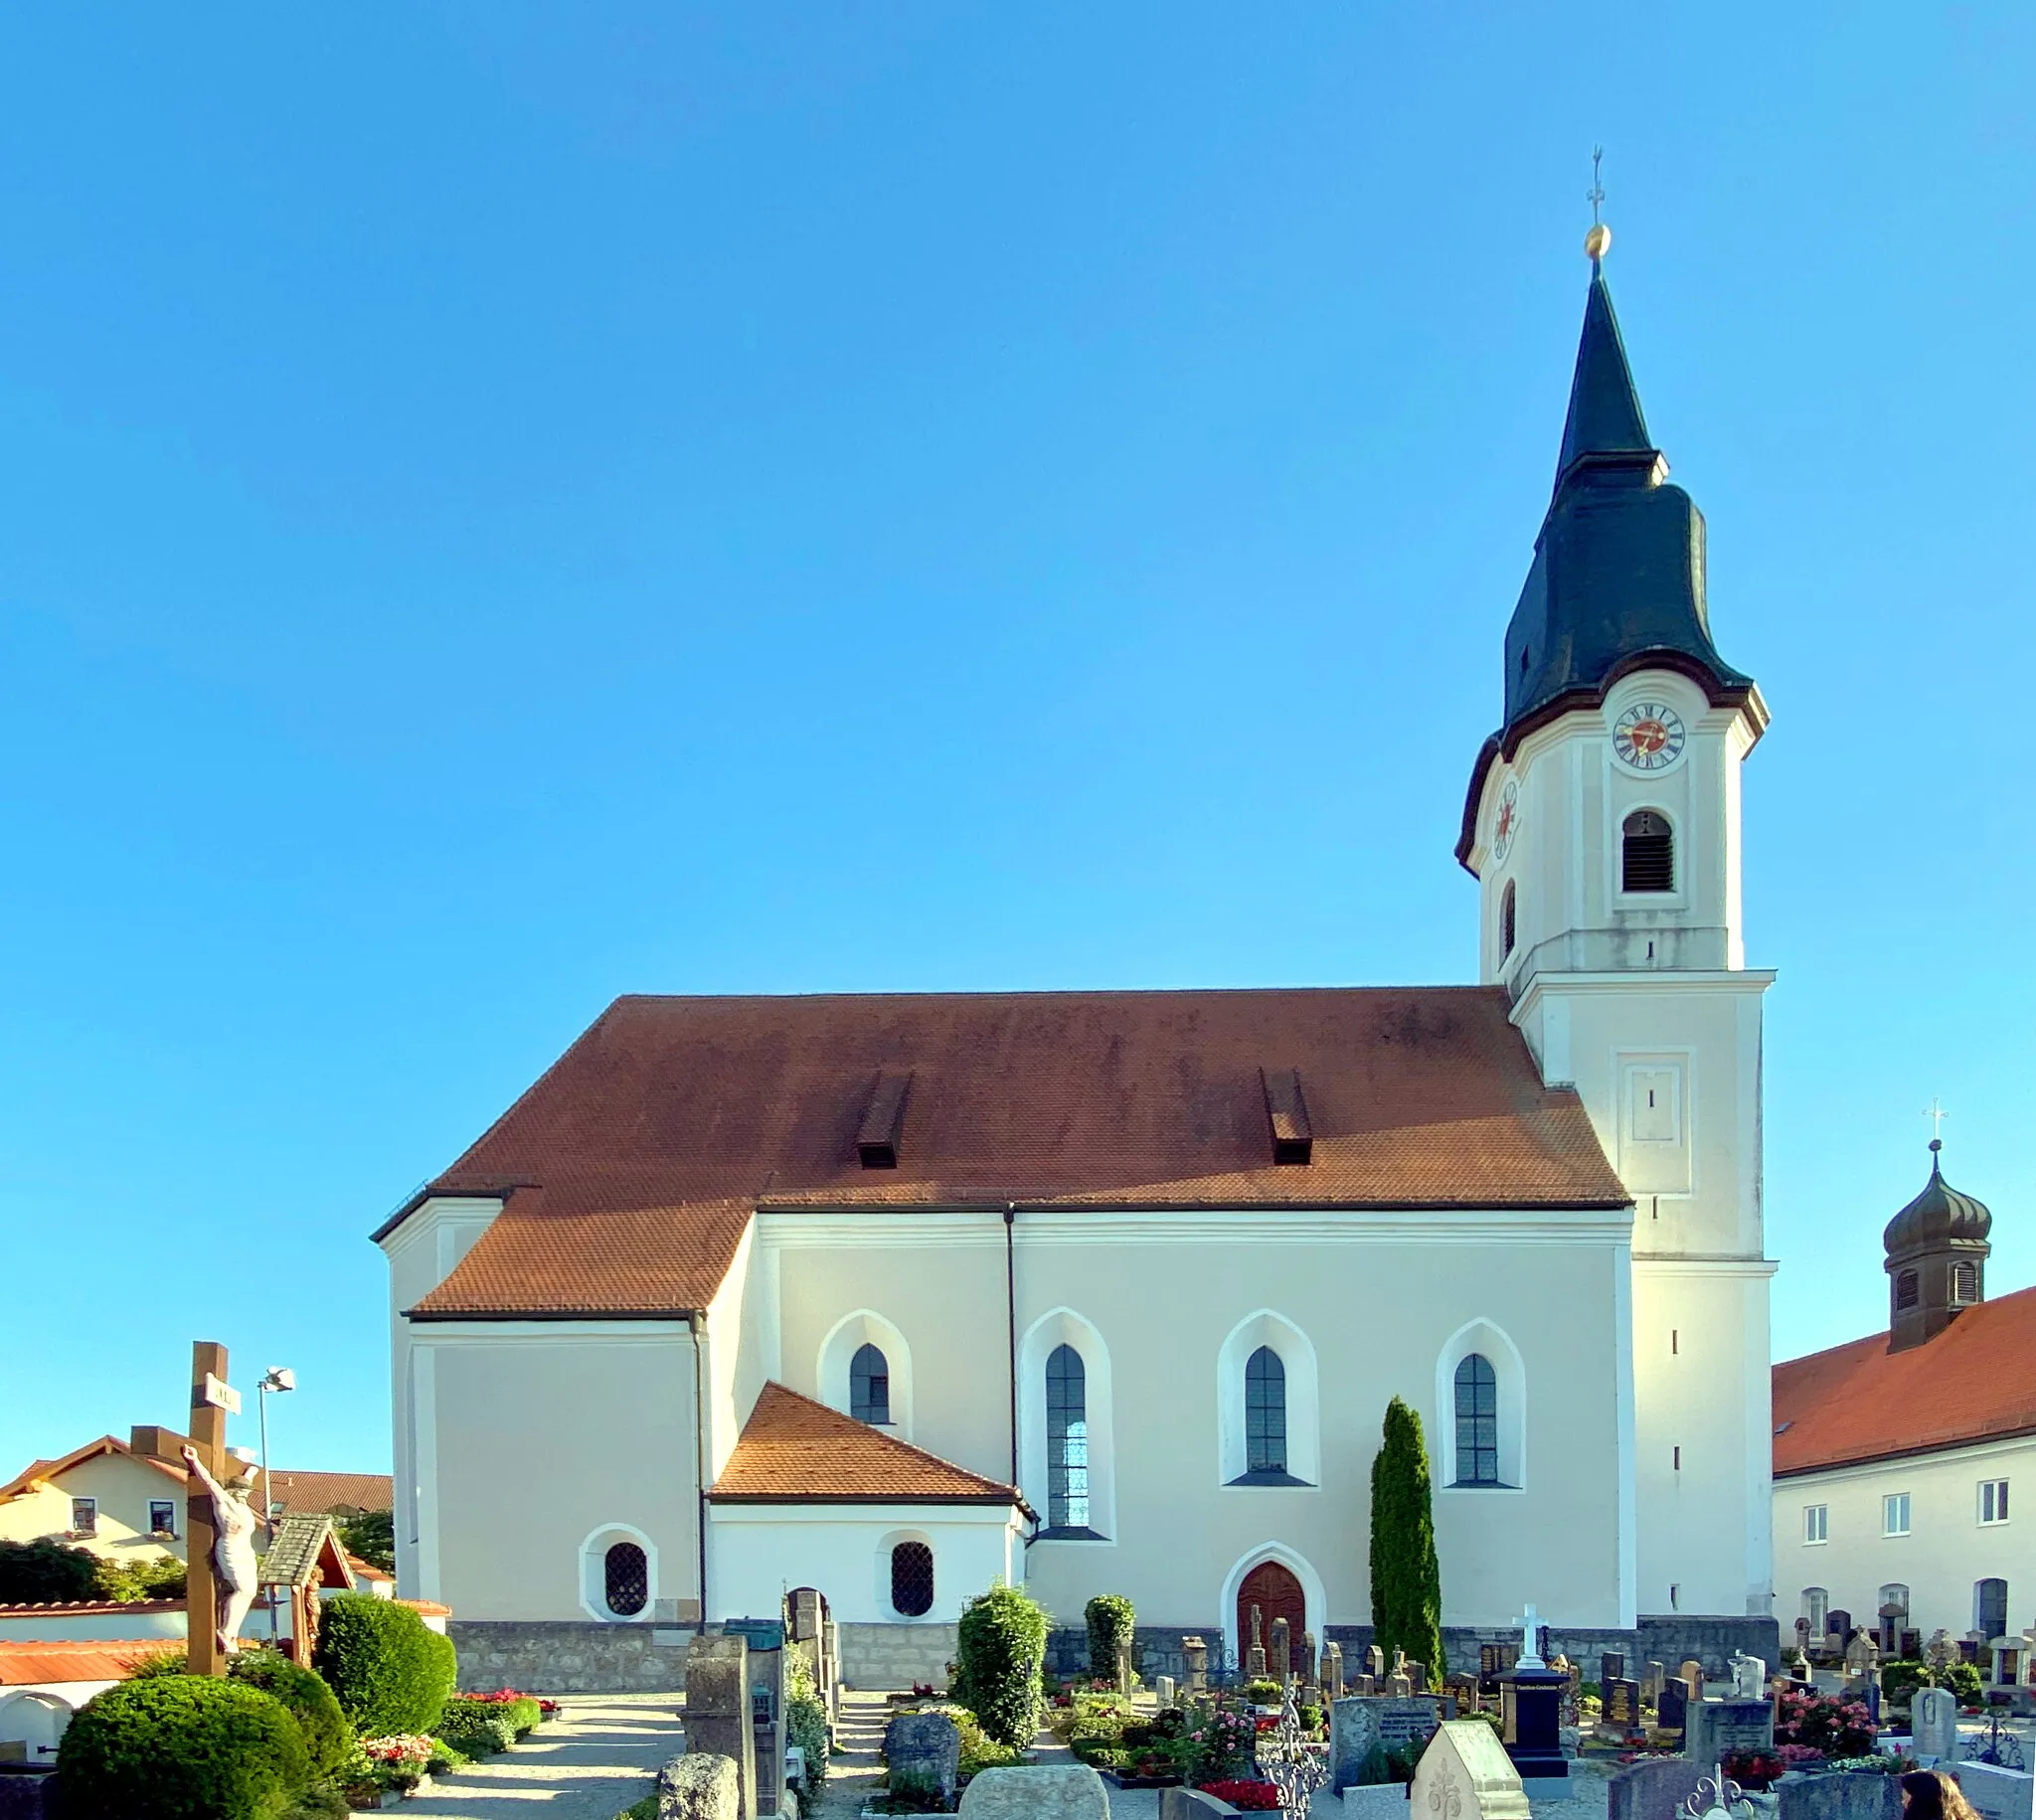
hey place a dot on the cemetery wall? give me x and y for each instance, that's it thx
(584, 1658)
(896, 1655)
(1669, 1640)
(1158, 1649)
(1946, 1551)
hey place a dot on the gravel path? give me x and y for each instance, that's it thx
(597, 1758)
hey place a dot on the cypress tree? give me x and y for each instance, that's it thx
(1406, 1580)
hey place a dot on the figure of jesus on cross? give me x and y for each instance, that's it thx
(219, 1526)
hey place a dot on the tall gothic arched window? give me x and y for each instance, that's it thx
(869, 1387)
(1647, 861)
(1506, 904)
(1067, 1440)
(1477, 1422)
(1265, 1412)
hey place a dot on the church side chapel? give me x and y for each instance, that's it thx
(894, 1297)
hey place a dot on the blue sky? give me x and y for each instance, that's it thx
(510, 505)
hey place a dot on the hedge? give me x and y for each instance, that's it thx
(327, 1735)
(478, 1727)
(46, 1573)
(182, 1747)
(998, 1664)
(389, 1672)
(1110, 1618)
(1406, 1580)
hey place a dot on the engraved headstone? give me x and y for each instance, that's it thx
(1671, 1710)
(1255, 1655)
(1612, 1666)
(924, 1753)
(1933, 1722)
(1061, 1791)
(1195, 1653)
(1375, 1662)
(717, 1718)
(1417, 1677)
(1654, 1788)
(1362, 1687)
(1466, 1775)
(1332, 1670)
(1622, 1704)
(1398, 1687)
(1650, 1684)
(1163, 1690)
(1308, 1662)
(1719, 1728)
(1280, 1656)
(1358, 1723)
(1996, 1793)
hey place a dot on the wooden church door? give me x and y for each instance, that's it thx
(1277, 1594)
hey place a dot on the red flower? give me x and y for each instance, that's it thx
(1248, 1797)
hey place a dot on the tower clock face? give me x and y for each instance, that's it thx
(1507, 823)
(1648, 736)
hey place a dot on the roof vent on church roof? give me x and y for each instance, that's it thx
(876, 1138)
(1286, 1113)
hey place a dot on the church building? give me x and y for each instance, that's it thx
(890, 1296)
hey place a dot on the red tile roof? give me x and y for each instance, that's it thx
(631, 1169)
(794, 1450)
(1859, 1402)
(321, 1494)
(91, 1607)
(26, 1664)
(42, 1471)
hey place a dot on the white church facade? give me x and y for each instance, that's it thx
(894, 1295)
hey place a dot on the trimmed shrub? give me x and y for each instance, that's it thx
(390, 1673)
(370, 1537)
(46, 1573)
(1110, 1618)
(161, 1576)
(182, 1747)
(1406, 1580)
(478, 1727)
(806, 1720)
(327, 1735)
(996, 1671)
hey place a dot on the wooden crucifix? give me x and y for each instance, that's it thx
(219, 1526)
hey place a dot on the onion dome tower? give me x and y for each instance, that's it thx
(1937, 1249)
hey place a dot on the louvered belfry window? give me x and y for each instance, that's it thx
(1648, 858)
(911, 1580)
(626, 1575)
(1907, 1289)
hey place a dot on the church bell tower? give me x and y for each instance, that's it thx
(1603, 825)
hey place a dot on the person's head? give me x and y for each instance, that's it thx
(1930, 1794)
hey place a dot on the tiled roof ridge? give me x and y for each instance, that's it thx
(784, 1417)
(84, 1607)
(1031, 993)
(893, 1442)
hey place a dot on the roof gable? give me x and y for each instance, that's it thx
(794, 1450)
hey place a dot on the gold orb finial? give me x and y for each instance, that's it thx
(1598, 243)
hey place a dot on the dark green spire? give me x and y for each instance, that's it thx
(1604, 410)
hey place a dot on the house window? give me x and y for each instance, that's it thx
(1817, 1523)
(869, 1387)
(911, 1580)
(85, 1516)
(1506, 921)
(1993, 1500)
(1067, 1440)
(1265, 1412)
(1648, 858)
(1816, 1608)
(1895, 1514)
(1964, 1281)
(1990, 1608)
(162, 1517)
(1908, 1289)
(1477, 1422)
(626, 1578)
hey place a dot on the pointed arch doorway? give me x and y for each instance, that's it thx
(1277, 1594)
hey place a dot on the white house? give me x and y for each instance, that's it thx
(1902, 1459)
(888, 1296)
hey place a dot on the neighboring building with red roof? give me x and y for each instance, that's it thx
(889, 1294)
(1905, 1460)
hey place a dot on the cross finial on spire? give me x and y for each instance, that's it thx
(1599, 241)
(1936, 1116)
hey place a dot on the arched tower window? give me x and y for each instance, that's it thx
(1647, 860)
(626, 1579)
(1506, 920)
(869, 1387)
(1265, 1412)
(1477, 1422)
(1067, 1440)
(911, 1580)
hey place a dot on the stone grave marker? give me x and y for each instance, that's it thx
(1254, 1656)
(1375, 1662)
(1494, 1660)
(1190, 1804)
(1308, 1664)
(1416, 1678)
(1398, 1687)
(1671, 1707)
(1466, 1775)
(1718, 1729)
(1621, 1705)
(1934, 1723)
(923, 1752)
(1163, 1690)
(1650, 1684)
(1839, 1797)
(1998, 1794)
(1070, 1791)
(1612, 1666)
(1281, 1653)
(1363, 1687)
(1127, 1674)
(1195, 1653)
(1358, 1723)
(699, 1786)
(1332, 1671)
(718, 1709)
(1653, 1788)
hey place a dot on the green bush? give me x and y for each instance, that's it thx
(1110, 1618)
(1902, 1677)
(1406, 1580)
(996, 1677)
(1962, 1678)
(805, 1717)
(370, 1537)
(478, 1727)
(308, 1698)
(390, 1673)
(182, 1747)
(157, 1576)
(46, 1573)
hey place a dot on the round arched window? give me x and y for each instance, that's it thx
(626, 1579)
(911, 1580)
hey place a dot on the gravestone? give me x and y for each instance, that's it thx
(699, 1786)
(1281, 1652)
(717, 1720)
(1799, 1671)
(1254, 1656)
(1308, 1663)
(1363, 1687)
(1672, 1708)
(1332, 1671)
(1071, 1791)
(1838, 1625)
(1620, 1706)
(1163, 1691)
(1838, 1797)
(1358, 1723)
(1195, 1653)
(1127, 1674)
(1534, 1740)
(1375, 1662)
(923, 1752)
(1416, 1678)
(1693, 1673)
(1612, 1666)
(1934, 1723)
(1862, 1653)
(1650, 1684)
(1996, 1794)
(1749, 1677)
(1719, 1728)
(1653, 1788)
(1466, 1775)
(1399, 1687)
(1190, 1804)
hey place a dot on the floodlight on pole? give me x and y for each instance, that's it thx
(277, 1379)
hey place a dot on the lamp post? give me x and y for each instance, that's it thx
(277, 1379)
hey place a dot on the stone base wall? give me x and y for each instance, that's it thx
(1669, 1639)
(1157, 1649)
(569, 1658)
(893, 1657)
